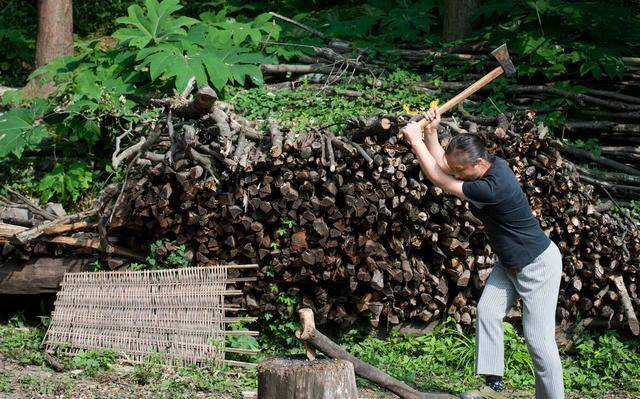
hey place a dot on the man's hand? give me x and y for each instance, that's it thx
(433, 116)
(412, 133)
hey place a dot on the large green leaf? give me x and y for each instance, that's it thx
(208, 65)
(155, 26)
(20, 129)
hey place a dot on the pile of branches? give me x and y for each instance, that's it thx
(348, 223)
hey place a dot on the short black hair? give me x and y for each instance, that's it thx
(471, 145)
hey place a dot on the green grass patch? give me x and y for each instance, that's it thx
(444, 360)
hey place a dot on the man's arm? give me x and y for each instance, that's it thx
(431, 139)
(436, 150)
(433, 172)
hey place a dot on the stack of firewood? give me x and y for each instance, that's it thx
(349, 223)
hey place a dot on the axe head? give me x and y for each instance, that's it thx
(502, 55)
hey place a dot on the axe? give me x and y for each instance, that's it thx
(506, 67)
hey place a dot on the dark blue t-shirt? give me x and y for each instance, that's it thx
(498, 200)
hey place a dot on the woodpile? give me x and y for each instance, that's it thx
(347, 223)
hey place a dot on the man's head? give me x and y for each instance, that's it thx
(467, 157)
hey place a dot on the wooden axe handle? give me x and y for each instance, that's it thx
(466, 93)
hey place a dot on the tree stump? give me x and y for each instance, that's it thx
(299, 378)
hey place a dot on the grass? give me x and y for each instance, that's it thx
(5, 382)
(46, 386)
(442, 360)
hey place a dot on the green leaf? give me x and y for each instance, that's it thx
(52, 183)
(240, 72)
(20, 129)
(217, 70)
(65, 184)
(156, 26)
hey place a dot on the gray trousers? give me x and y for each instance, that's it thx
(537, 284)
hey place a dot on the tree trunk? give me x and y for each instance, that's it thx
(457, 16)
(55, 30)
(290, 378)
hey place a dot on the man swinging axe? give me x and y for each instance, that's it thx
(529, 264)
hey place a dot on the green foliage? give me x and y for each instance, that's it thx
(95, 266)
(305, 108)
(151, 370)
(176, 257)
(89, 106)
(634, 209)
(280, 325)
(155, 27)
(5, 382)
(555, 37)
(65, 184)
(242, 342)
(17, 40)
(21, 343)
(444, 360)
(159, 258)
(21, 129)
(592, 145)
(208, 378)
(94, 360)
(373, 24)
(44, 387)
(216, 50)
(604, 362)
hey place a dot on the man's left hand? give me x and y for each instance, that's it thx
(412, 133)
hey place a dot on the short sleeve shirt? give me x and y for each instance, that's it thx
(499, 202)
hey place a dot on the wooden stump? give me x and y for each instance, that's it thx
(299, 378)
